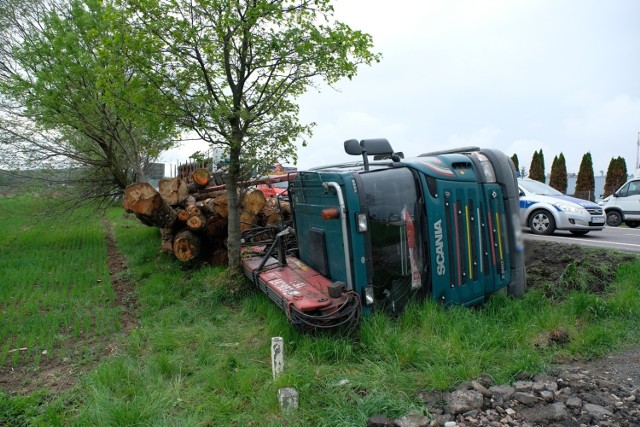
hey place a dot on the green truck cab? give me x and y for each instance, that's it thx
(441, 225)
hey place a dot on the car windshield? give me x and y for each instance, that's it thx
(536, 187)
(283, 184)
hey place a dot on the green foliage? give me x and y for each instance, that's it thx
(80, 99)
(616, 175)
(536, 170)
(585, 182)
(234, 69)
(558, 178)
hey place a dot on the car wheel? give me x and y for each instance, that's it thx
(614, 218)
(632, 224)
(542, 222)
(579, 232)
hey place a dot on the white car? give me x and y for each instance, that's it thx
(624, 205)
(544, 210)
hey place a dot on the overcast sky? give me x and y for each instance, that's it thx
(557, 75)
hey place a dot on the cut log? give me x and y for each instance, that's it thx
(167, 240)
(186, 246)
(270, 214)
(220, 206)
(196, 222)
(209, 194)
(148, 205)
(274, 218)
(217, 228)
(173, 190)
(183, 215)
(279, 204)
(201, 177)
(254, 201)
(247, 221)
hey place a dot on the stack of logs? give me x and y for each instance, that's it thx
(192, 218)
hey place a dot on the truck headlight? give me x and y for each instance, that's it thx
(485, 164)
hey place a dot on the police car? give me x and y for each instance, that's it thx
(544, 210)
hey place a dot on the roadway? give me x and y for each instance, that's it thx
(620, 238)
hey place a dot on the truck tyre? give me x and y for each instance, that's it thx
(632, 224)
(614, 218)
(542, 222)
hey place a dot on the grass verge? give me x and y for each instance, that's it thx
(201, 355)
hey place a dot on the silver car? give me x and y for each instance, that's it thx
(544, 210)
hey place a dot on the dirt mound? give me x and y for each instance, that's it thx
(556, 268)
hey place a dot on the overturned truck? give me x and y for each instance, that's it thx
(374, 234)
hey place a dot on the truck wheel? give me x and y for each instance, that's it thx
(632, 224)
(542, 222)
(614, 218)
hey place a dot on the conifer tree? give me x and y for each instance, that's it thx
(515, 161)
(536, 170)
(616, 175)
(558, 178)
(585, 183)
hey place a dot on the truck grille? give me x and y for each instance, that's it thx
(477, 236)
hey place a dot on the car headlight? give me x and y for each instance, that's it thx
(566, 207)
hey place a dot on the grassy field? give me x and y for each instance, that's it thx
(200, 355)
(54, 283)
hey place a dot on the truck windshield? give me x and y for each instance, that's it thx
(394, 214)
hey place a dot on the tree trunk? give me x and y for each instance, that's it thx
(148, 205)
(186, 246)
(233, 241)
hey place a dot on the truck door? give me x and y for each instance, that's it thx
(396, 237)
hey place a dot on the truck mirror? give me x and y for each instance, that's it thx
(352, 147)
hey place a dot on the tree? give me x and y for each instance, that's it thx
(585, 182)
(536, 170)
(234, 68)
(558, 178)
(514, 159)
(616, 175)
(71, 93)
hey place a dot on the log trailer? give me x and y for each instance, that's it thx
(372, 235)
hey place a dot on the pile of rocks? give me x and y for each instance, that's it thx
(572, 396)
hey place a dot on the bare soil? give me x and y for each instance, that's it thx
(548, 262)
